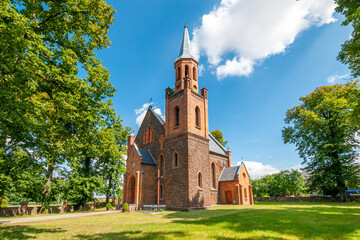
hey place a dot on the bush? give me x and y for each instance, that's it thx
(4, 203)
(109, 206)
(161, 210)
(126, 207)
(155, 209)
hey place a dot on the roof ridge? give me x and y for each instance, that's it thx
(216, 141)
(157, 116)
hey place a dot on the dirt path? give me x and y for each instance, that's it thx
(72, 215)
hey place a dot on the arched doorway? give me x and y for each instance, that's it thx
(132, 189)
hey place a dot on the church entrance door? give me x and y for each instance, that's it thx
(133, 195)
(228, 197)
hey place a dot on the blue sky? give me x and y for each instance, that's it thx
(247, 105)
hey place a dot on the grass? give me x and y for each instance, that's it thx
(261, 221)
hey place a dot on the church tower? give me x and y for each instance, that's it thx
(187, 165)
(186, 109)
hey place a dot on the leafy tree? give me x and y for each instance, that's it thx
(261, 186)
(21, 176)
(45, 106)
(218, 135)
(350, 53)
(324, 131)
(285, 183)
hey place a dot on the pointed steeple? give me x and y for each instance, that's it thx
(185, 50)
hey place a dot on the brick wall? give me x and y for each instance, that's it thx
(220, 163)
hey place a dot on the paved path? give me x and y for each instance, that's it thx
(60, 216)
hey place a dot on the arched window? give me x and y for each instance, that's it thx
(162, 165)
(177, 116)
(200, 180)
(176, 160)
(194, 73)
(244, 175)
(178, 71)
(213, 175)
(197, 116)
(186, 71)
(148, 133)
(245, 195)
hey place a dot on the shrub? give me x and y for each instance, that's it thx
(161, 210)
(109, 206)
(4, 203)
(155, 209)
(126, 207)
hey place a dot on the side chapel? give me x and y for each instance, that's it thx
(174, 160)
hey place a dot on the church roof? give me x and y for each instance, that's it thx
(185, 50)
(215, 146)
(147, 158)
(159, 117)
(230, 173)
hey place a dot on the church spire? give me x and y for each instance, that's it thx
(185, 50)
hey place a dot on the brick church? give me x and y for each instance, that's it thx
(174, 160)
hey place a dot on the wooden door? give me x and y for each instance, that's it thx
(228, 197)
(133, 195)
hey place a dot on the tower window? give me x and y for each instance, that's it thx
(176, 160)
(199, 180)
(194, 73)
(186, 71)
(197, 116)
(213, 175)
(177, 116)
(178, 73)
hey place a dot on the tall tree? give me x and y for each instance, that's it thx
(350, 53)
(44, 104)
(324, 132)
(218, 135)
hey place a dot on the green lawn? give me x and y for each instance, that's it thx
(262, 221)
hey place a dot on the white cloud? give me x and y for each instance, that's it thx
(252, 30)
(257, 169)
(297, 167)
(201, 70)
(142, 111)
(335, 77)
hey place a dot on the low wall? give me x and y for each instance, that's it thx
(35, 209)
(303, 199)
(18, 210)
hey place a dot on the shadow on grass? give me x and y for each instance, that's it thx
(134, 235)
(302, 221)
(24, 232)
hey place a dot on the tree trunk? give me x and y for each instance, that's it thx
(343, 196)
(108, 191)
(46, 190)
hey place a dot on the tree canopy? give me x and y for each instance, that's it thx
(350, 53)
(54, 92)
(324, 130)
(284, 183)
